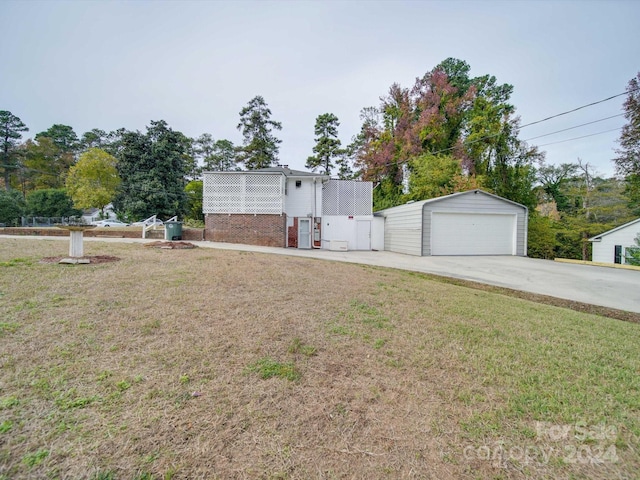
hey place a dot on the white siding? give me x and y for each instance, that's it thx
(604, 250)
(343, 228)
(403, 229)
(299, 201)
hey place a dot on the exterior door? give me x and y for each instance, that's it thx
(363, 235)
(304, 233)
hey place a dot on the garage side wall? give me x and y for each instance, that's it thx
(480, 203)
(403, 229)
(604, 250)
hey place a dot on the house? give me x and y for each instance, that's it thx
(93, 214)
(465, 223)
(280, 207)
(613, 246)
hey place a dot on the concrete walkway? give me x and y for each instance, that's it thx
(608, 287)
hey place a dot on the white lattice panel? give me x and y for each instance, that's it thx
(242, 193)
(347, 197)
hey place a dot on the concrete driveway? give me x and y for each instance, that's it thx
(607, 287)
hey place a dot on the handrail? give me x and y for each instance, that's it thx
(146, 227)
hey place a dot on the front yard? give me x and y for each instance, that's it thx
(219, 364)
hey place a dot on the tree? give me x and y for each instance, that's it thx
(10, 132)
(45, 164)
(327, 147)
(632, 256)
(217, 155)
(63, 137)
(93, 181)
(628, 160)
(152, 169)
(446, 112)
(553, 180)
(260, 148)
(12, 206)
(51, 202)
(94, 138)
(194, 191)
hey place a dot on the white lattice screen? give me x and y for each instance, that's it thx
(347, 197)
(242, 193)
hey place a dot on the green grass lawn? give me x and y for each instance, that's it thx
(219, 364)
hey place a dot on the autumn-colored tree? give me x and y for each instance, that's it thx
(93, 181)
(446, 112)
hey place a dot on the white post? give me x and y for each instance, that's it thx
(75, 246)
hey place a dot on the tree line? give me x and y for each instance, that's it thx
(446, 133)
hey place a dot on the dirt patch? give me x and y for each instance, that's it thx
(93, 259)
(171, 245)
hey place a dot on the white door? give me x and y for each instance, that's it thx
(473, 234)
(304, 233)
(363, 235)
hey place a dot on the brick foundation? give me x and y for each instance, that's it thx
(265, 230)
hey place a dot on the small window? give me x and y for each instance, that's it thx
(298, 183)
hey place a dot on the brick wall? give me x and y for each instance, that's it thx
(266, 230)
(293, 234)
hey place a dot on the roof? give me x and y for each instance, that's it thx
(597, 238)
(287, 172)
(282, 170)
(446, 197)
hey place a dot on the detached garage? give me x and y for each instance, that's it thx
(466, 223)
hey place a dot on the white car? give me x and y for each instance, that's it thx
(109, 223)
(157, 223)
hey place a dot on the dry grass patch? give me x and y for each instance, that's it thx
(219, 364)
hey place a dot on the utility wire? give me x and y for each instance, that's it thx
(584, 136)
(572, 128)
(581, 107)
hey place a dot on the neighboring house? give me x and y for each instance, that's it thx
(93, 214)
(612, 246)
(465, 223)
(281, 207)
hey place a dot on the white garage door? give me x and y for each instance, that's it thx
(472, 234)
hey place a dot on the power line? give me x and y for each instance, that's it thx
(581, 107)
(584, 136)
(572, 128)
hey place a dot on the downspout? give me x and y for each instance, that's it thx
(313, 218)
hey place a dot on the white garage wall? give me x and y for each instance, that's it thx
(403, 228)
(408, 227)
(604, 250)
(476, 201)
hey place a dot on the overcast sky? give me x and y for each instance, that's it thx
(195, 64)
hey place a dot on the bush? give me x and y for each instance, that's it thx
(51, 202)
(542, 237)
(12, 207)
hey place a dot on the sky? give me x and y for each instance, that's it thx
(195, 64)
